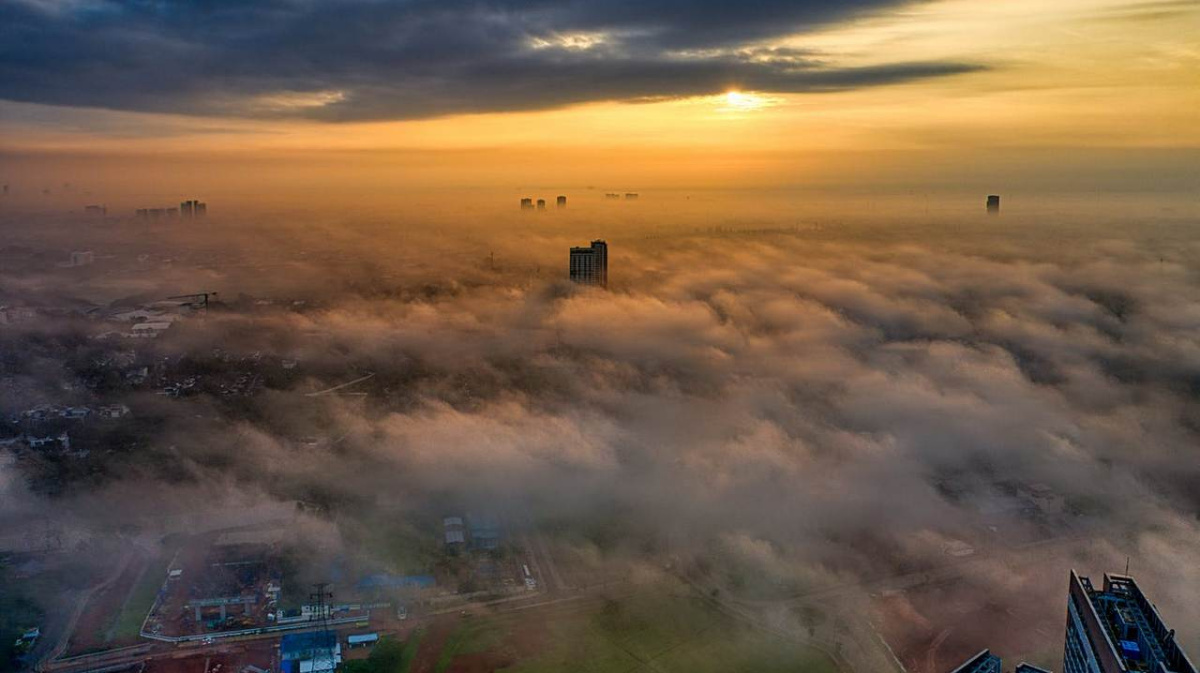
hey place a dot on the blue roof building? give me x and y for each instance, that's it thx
(310, 652)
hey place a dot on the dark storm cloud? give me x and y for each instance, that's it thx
(373, 60)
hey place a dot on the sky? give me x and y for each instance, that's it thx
(661, 93)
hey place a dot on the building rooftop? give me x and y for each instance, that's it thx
(984, 662)
(1136, 638)
(304, 645)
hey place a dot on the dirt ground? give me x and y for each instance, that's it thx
(935, 628)
(103, 608)
(228, 660)
(431, 646)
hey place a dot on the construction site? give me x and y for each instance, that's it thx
(231, 584)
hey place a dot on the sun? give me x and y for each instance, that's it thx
(737, 101)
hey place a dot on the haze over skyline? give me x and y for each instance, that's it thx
(619, 336)
(1077, 95)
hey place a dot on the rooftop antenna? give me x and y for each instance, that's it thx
(1127, 566)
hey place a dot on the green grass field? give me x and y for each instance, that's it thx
(389, 656)
(141, 598)
(471, 637)
(665, 628)
(17, 613)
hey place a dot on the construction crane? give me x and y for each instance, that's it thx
(200, 298)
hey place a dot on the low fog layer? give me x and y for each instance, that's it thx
(825, 398)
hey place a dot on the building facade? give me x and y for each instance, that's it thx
(1116, 629)
(589, 266)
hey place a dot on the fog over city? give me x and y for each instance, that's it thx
(773, 402)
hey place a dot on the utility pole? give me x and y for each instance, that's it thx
(323, 659)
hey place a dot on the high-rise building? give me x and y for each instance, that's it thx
(631, 196)
(1116, 629)
(541, 204)
(95, 211)
(984, 662)
(561, 202)
(589, 266)
(192, 208)
(526, 204)
(993, 203)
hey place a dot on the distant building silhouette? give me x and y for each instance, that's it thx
(526, 204)
(95, 211)
(1114, 629)
(631, 196)
(561, 202)
(589, 266)
(541, 204)
(186, 209)
(612, 196)
(993, 203)
(193, 208)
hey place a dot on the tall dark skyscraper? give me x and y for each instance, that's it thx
(561, 202)
(192, 208)
(541, 204)
(589, 266)
(993, 203)
(526, 204)
(1114, 629)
